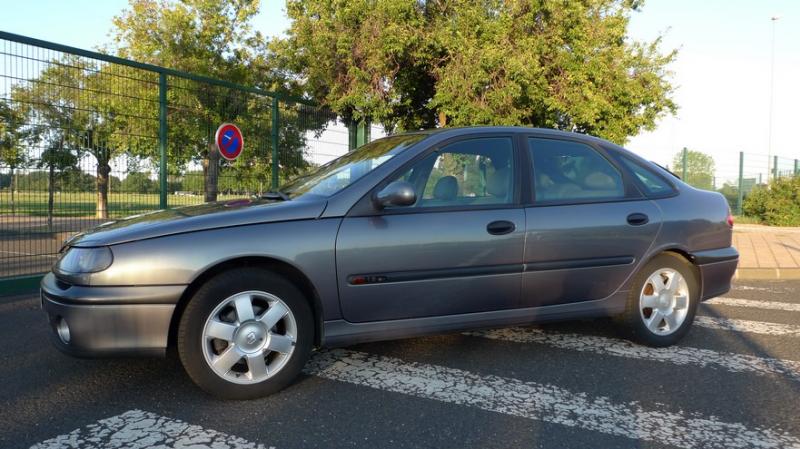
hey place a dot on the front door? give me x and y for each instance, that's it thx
(458, 249)
(587, 228)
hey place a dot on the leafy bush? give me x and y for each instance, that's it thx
(777, 204)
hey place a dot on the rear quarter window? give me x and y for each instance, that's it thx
(653, 183)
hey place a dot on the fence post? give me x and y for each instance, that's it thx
(162, 139)
(683, 160)
(358, 133)
(740, 193)
(363, 133)
(796, 167)
(275, 126)
(774, 167)
(352, 137)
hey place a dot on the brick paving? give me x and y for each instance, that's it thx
(767, 252)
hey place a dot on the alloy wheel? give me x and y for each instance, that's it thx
(664, 301)
(249, 337)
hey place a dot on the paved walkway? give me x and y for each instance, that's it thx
(767, 252)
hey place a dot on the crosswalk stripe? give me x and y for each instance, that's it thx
(137, 428)
(543, 402)
(677, 355)
(755, 327)
(748, 287)
(768, 305)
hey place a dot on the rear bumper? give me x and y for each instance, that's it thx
(109, 321)
(717, 268)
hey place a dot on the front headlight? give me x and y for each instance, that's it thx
(85, 260)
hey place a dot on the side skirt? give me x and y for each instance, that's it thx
(343, 333)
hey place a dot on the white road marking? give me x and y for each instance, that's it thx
(140, 429)
(747, 287)
(543, 402)
(755, 327)
(732, 362)
(768, 305)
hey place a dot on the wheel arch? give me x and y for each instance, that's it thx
(683, 254)
(280, 267)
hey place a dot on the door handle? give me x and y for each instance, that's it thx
(500, 227)
(638, 219)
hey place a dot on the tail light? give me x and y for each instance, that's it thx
(730, 219)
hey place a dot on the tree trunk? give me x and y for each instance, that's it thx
(51, 187)
(12, 185)
(211, 173)
(103, 169)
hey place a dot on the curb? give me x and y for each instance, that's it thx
(767, 273)
(748, 229)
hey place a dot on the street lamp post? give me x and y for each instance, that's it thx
(771, 94)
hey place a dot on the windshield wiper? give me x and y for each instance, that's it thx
(275, 195)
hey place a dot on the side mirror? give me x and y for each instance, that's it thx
(398, 193)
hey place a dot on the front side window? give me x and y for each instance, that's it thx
(566, 171)
(340, 173)
(469, 172)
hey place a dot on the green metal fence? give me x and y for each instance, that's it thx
(737, 176)
(87, 137)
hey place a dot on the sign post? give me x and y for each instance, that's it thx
(229, 141)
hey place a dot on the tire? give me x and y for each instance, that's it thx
(221, 339)
(653, 326)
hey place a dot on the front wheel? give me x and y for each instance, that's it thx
(246, 333)
(662, 301)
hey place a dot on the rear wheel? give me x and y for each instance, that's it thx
(663, 301)
(246, 333)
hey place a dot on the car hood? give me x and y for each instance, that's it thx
(180, 220)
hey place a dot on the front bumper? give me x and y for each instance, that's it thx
(717, 268)
(107, 321)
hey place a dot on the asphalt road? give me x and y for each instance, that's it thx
(733, 382)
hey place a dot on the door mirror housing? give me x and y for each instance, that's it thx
(398, 193)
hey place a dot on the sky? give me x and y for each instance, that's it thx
(722, 71)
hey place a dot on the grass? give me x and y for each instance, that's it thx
(84, 204)
(743, 219)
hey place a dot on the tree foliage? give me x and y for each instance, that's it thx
(67, 119)
(214, 38)
(699, 168)
(777, 204)
(12, 154)
(549, 63)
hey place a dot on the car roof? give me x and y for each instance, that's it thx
(547, 132)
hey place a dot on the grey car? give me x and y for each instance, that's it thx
(413, 234)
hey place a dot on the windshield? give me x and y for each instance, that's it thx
(340, 173)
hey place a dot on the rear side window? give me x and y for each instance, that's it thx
(654, 185)
(566, 171)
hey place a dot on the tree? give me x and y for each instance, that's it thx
(411, 65)
(139, 183)
(12, 153)
(72, 118)
(731, 193)
(699, 168)
(212, 38)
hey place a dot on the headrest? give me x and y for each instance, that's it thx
(497, 183)
(446, 188)
(600, 181)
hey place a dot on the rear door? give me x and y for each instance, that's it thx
(587, 227)
(458, 249)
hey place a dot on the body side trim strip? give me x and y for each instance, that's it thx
(491, 270)
(578, 263)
